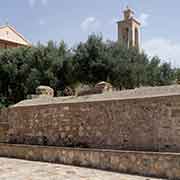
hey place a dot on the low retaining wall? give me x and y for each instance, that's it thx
(166, 165)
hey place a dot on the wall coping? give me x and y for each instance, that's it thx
(88, 99)
(138, 93)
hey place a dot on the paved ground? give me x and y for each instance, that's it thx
(13, 169)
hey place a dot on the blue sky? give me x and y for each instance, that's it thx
(72, 21)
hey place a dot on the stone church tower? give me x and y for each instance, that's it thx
(129, 30)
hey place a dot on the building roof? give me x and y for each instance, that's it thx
(8, 33)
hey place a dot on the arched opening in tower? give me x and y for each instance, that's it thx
(136, 37)
(126, 36)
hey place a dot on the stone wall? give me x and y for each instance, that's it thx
(4, 126)
(148, 124)
(165, 165)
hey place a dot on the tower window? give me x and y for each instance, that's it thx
(126, 39)
(127, 33)
(136, 37)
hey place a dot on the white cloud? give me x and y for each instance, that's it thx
(143, 18)
(33, 2)
(90, 24)
(42, 22)
(166, 49)
(44, 2)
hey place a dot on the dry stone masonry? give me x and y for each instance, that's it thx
(107, 121)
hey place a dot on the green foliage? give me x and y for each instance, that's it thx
(124, 67)
(91, 61)
(128, 66)
(23, 69)
(177, 75)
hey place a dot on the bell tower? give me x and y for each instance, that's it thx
(129, 30)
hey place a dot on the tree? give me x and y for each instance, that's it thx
(128, 66)
(177, 75)
(91, 61)
(55, 65)
(167, 74)
(159, 74)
